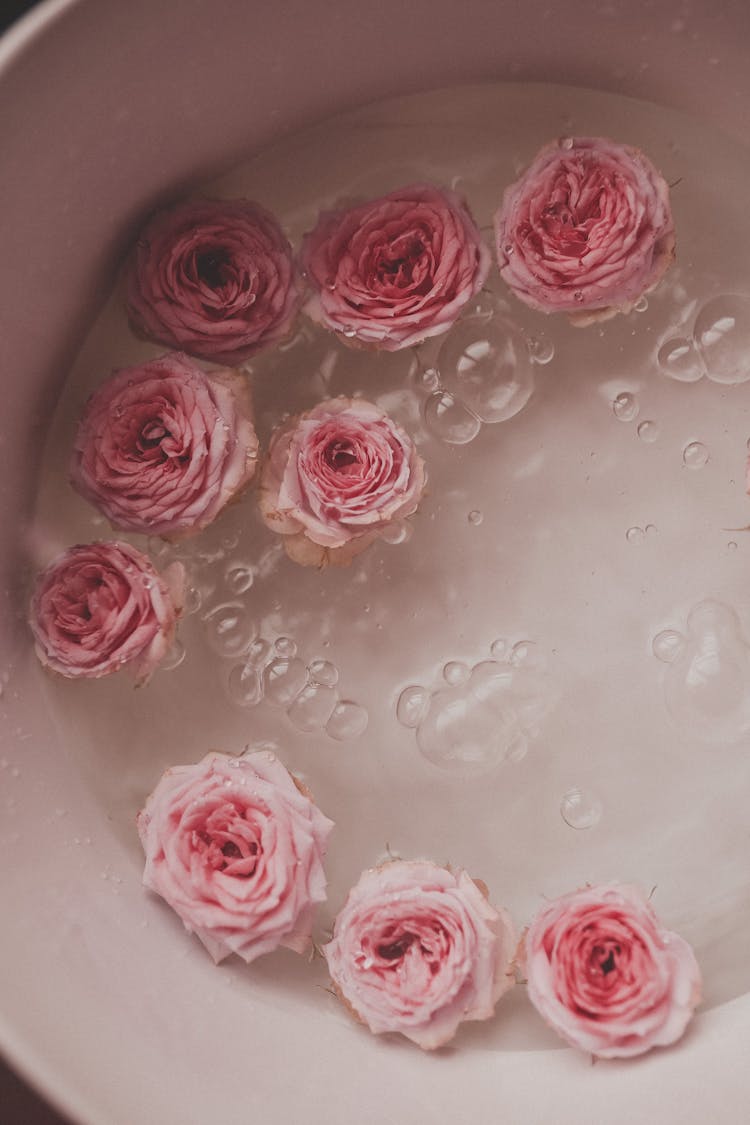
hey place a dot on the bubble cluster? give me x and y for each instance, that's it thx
(718, 347)
(707, 681)
(481, 715)
(483, 374)
(306, 692)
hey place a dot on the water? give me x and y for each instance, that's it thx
(544, 444)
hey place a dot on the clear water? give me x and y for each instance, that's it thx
(483, 689)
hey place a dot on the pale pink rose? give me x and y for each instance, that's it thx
(162, 448)
(214, 278)
(587, 229)
(336, 477)
(418, 949)
(102, 606)
(392, 272)
(605, 976)
(235, 846)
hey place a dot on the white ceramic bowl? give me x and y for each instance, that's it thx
(104, 105)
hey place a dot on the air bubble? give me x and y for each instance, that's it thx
(447, 418)
(323, 672)
(487, 367)
(395, 533)
(475, 517)
(312, 707)
(635, 535)
(541, 351)
(430, 379)
(285, 647)
(566, 143)
(174, 657)
(456, 672)
(641, 305)
(257, 652)
(625, 407)
(349, 720)
(695, 455)
(192, 601)
(648, 431)
(283, 679)
(731, 545)
(239, 578)
(229, 629)
(679, 360)
(668, 645)
(580, 809)
(500, 648)
(245, 686)
(412, 705)
(722, 335)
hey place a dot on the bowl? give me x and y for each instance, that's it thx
(107, 1007)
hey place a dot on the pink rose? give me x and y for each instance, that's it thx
(587, 229)
(605, 976)
(235, 846)
(101, 606)
(418, 949)
(213, 278)
(394, 271)
(336, 477)
(162, 448)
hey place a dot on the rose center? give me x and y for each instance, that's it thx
(396, 265)
(340, 456)
(211, 267)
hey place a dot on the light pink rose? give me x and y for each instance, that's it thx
(587, 229)
(213, 278)
(336, 477)
(235, 846)
(163, 447)
(418, 949)
(604, 974)
(392, 272)
(102, 606)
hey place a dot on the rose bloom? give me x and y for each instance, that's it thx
(392, 272)
(213, 278)
(163, 447)
(336, 477)
(587, 229)
(235, 846)
(605, 976)
(418, 949)
(101, 606)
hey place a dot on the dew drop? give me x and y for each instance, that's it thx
(412, 705)
(679, 360)
(695, 455)
(447, 418)
(635, 535)
(456, 672)
(580, 809)
(488, 368)
(722, 335)
(285, 647)
(312, 707)
(625, 407)
(349, 720)
(238, 578)
(323, 672)
(566, 143)
(648, 431)
(229, 629)
(475, 517)
(282, 680)
(668, 645)
(244, 685)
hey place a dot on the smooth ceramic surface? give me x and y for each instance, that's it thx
(104, 1004)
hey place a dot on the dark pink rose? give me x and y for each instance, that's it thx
(336, 477)
(235, 846)
(99, 607)
(162, 448)
(213, 278)
(606, 977)
(587, 229)
(418, 949)
(394, 271)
